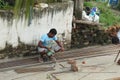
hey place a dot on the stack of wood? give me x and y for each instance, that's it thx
(86, 34)
(113, 31)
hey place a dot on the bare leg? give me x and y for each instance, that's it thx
(52, 58)
(43, 56)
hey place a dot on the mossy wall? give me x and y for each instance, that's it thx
(20, 37)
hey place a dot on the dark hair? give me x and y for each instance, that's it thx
(53, 31)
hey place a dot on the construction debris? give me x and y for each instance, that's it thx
(117, 78)
(114, 33)
(73, 64)
(118, 62)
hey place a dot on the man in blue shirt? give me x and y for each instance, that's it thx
(46, 45)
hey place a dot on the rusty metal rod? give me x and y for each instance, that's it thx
(117, 56)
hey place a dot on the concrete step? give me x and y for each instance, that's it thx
(90, 51)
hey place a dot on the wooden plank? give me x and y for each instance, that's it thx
(26, 70)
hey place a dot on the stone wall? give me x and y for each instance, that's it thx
(88, 33)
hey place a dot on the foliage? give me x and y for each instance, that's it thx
(23, 5)
(118, 7)
(107, 16)
(88, 4)
(4, 5)
(52, 1)
(49, 1)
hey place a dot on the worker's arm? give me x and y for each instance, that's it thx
(42, 46)
(59, 44)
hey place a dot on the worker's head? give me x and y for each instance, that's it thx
(52, 32)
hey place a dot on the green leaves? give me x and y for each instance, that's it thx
(107, 15)
(4, 5)
(23, 6)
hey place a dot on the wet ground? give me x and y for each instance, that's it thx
(75, 53)
(95, 68)
(98, 65)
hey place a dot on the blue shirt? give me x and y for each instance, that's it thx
(47, 41)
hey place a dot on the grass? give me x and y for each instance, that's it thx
(107, 16)
(5, 6)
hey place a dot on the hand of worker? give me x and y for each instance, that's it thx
(48, 48)
(62, 48)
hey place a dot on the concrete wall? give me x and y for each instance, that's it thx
(57, 16)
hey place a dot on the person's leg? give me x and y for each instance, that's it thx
(52, 58)
(43, 54)
(55, 49)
